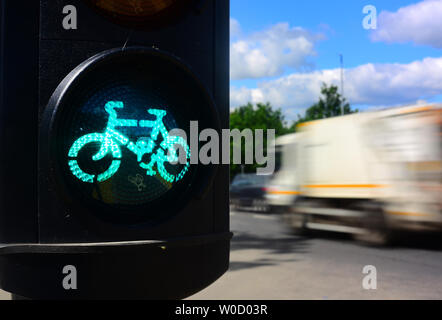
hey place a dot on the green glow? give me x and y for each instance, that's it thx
(106, 144)
(110, 172)
(73, 164)
(126, 123)
(111, 140)
(157, 126)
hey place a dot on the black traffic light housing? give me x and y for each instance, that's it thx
(170, 246)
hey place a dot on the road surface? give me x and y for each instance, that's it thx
(268, 262)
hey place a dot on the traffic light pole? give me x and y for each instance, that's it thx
(87, 190)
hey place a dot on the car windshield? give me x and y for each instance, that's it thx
(249, 179)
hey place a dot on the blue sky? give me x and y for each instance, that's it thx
(282, 50)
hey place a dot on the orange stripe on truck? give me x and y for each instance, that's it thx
(410, 214)
(344, 186)
(286, 193)
(416, 109)
(280, 192)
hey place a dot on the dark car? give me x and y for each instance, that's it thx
(247, 192)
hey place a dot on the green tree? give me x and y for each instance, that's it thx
(329, 105)
(261, 116)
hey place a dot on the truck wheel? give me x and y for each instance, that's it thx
(298, 223)
(377, 230)
(376, 238)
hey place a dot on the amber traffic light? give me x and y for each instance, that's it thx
(141, 13)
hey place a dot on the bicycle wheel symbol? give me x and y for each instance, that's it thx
(94, 138)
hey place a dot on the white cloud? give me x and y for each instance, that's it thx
(420, 23)
(369, 84)
(268, 53)
(235, 28)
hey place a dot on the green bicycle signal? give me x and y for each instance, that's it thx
(111, 141)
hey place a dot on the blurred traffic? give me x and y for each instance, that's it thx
(372, 175)
(248, 192)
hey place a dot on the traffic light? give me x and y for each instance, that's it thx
(99, 197)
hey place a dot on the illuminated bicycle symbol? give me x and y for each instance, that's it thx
(112, 140)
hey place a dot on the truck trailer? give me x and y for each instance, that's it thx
(370, 174)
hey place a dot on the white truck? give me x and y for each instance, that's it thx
(369, 174)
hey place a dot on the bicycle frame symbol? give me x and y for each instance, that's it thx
(112, 140)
